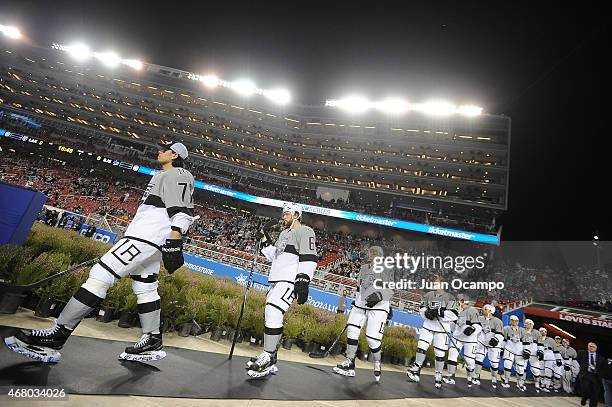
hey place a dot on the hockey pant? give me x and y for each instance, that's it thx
(279, 298)
(136, 257)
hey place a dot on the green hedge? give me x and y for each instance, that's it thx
(185, 296)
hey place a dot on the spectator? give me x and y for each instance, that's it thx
(592, 367)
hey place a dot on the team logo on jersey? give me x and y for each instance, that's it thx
(126, 252)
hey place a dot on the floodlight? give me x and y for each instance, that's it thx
(133, 63)
(244, 87)
(354, 104)
(436, 108)
(78, 51)
(280, 96)
(210, 81)
(392, 105)
(109, 58)
(470, 110)
(10, 31)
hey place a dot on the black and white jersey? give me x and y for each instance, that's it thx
(445, 304)
(468, 316)
(294, 252)
(515, 334)
(167, 204)
(568, 354)
(367, 286)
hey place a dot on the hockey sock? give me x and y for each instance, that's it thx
(272, 338)
(507, 375)
(79, 306)
(351, 348)
(477, 368)
(451, 365)
(439, 364)
(419, 358)
(150, 316)
(375, 354)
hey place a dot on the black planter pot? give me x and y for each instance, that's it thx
(288, 343)
(59, 307)
(105, 314)
(336, 349)
(184, 329)
(395, 360)
(310, 347)
(229, 334)
(216, 333)
(93, 313)
(31, 302)
(385, 358)
(164, 326)
(196, 329)
(45, 308)
(320, 348)
(254, 340)
(300, 343)
(363, 356)
(10, 302)
(127, 319)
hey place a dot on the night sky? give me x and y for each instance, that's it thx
(542, 66)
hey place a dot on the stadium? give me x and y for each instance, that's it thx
(274, 195)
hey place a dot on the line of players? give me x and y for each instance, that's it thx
(455, 326)
(551, 361)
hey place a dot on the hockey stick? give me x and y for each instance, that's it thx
(5, 287)
(316, 355)
(244, 299)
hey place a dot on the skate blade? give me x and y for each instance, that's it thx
(41, 354)
(349, 373)
(257, 375)
(412, 377)
(143, 357)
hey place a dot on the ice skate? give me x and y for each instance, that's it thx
(146, 349)
(346, 368)
(263, 365)
(39, 344)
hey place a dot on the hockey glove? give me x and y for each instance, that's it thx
(559, 363)
(373, 299)
(441, 312)
(300, 288)
(540, 355)
(469, 330)
(431, 313)
(526, 354)
(493, 342)
(264, 237)
(172, 255)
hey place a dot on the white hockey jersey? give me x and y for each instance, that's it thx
(467, 317)
(491, 327)
(167, 204)
(443, 302)
(294, 252)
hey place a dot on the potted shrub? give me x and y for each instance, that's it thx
(55, 294)
(294, 325)
(128, 312)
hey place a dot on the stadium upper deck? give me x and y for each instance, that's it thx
(413, 160)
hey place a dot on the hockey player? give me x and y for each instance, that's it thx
(490, 342)
(571, 368)
(514, 337)
(558, 370)
(438, 311)
(155, 234)
(371, 306)
(533, 352)
(294, 260)
(467, 329)
(551, 358)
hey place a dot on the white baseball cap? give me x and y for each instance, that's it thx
(180, 149)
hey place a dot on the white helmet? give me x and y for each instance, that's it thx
(489, 307)
(529, 322)
(543, 331)
(293, 208)
(514, 317)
